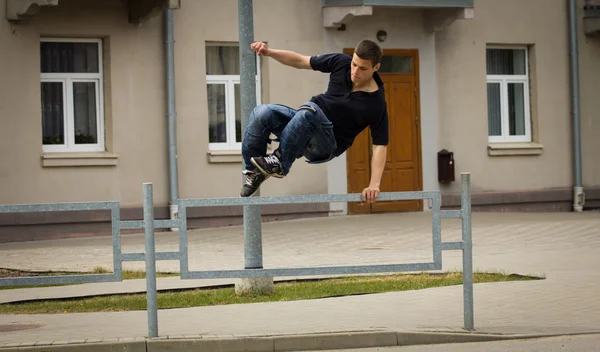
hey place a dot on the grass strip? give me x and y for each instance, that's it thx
(284, 291)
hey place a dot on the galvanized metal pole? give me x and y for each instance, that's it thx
(150, 257)
(171, 115)
(252, 217)
(578, 195)
(467, 251)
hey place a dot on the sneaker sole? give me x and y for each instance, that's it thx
(253, 193)
(263, 171)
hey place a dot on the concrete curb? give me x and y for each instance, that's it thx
(116, 346)
(277, 343)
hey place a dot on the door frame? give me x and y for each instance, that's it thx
(417, 74)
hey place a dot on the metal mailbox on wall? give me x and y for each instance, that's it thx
(445, 166)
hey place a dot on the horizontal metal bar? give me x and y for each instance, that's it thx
(451, 214)
(133, 257)
(401, 3)
(131, 224)
(48, 207)
(451, 246)
(166, 224)
(304, 199)
(158, 224)
(168, 256)
(328, 270)
(140, 257)
(59, 280)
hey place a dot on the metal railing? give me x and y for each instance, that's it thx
(150, 256)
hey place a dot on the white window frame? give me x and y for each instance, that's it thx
(504, 80)
(68, 79)
(229, 81)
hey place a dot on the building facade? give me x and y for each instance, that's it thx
(86, 105)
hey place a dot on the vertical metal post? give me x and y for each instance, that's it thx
(150, 261)
(252, 218)
(578, 195)
(467, 251)
(171, 114)
(183, 242)
(116, 242)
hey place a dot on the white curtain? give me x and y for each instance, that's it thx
(52, 113)
(506, 62)
(68, 57)
(220, 60)
(84, 108)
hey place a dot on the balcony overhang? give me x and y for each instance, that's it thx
(142, 10)
(17, 10)
(591, 20)
(438, 13)
(139, 11)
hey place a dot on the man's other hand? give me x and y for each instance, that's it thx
(370, 194)
(261, 48)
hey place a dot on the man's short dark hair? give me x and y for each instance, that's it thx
(369, 50)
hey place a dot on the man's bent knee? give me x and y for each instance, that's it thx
(311, 113)
(260, 112)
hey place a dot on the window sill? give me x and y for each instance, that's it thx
(224, 156)
(499, 149)
(79, 159)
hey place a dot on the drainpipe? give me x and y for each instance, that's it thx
(170, 69)
(578, 195)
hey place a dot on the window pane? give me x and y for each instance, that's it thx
(505, 62)
(217, 124)
(53, 128)
(516, 109)
(84, 109)
(494, 112)
(69, 57)
(222, 60)
(238, 113)
(396, 64)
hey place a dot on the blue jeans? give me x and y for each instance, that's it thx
(303, 132)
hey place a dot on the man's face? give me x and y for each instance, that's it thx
(361, 70)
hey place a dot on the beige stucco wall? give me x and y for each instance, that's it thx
(135, 113)
(201, 21)
(462, 97)
(136, 119)
(589, 85)
(454, 115)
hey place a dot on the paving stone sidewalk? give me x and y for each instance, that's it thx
(564, 247)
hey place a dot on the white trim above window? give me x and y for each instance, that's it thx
(509, 116)
(72, 96)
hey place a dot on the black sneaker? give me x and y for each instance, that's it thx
(254, 178)
(269, 165)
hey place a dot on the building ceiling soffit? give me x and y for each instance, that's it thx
(17, 10)
(139, 11)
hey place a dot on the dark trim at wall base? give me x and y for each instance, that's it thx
(22, 227)
(546, 200)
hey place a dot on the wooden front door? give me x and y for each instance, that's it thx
(399, 72)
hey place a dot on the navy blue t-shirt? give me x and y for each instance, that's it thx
(350, 112)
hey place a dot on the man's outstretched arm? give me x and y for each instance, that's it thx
(288, 58)
(370, 193)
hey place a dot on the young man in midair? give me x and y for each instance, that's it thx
(324, 127)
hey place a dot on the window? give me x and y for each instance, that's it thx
(508, 95)
(223, 90)
(72, 98)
